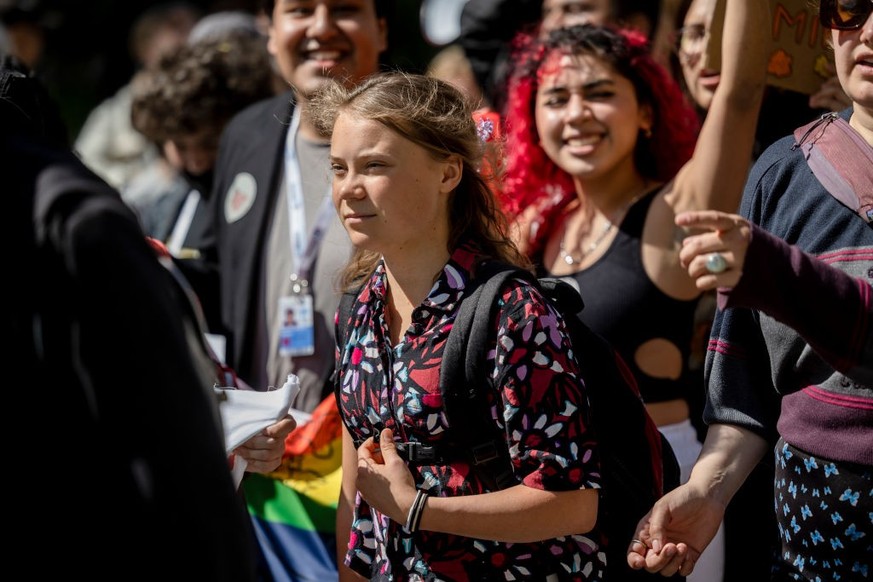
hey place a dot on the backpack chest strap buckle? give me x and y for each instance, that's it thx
(418, 453)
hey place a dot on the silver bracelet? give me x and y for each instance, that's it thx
(413, 519)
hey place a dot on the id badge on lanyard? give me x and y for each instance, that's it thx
(296, 310)
(297, 332)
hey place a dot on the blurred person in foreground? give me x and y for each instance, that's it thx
(128, 442)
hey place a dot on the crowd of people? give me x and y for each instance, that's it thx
(280, 164)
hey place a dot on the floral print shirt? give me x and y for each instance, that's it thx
(538, 401)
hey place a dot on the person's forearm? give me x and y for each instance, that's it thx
(345, 505)
(797, 286)
(729, 454)
(343, 527)
(519, 514)
(745, 49)
(726, 140)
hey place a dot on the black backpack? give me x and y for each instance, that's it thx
(637, 462)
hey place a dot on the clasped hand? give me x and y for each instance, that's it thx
(383, 478)
(670, 538)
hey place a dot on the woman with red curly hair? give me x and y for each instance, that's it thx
(603, 151)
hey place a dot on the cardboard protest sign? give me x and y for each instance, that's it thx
(799, 57)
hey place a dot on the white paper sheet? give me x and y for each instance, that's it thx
(245, 413)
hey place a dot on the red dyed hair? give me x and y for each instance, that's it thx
(531, 178)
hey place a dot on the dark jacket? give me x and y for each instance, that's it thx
(120, 469)
(253, 143)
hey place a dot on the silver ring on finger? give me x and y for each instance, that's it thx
(715, 263)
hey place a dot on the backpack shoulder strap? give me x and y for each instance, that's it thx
(840, 159)
(344, 314)
(468, 339)
(463, 377)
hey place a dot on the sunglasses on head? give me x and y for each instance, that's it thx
(845, 14)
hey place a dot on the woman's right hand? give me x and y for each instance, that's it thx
(383, 478)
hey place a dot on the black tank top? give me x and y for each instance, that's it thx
(624, 306)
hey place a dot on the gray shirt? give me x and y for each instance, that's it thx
(333, 254)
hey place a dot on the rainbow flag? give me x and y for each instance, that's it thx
(293, 509)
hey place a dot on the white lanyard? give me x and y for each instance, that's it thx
(183, 223)
(303, 250)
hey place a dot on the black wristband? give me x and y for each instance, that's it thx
(413, 519)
